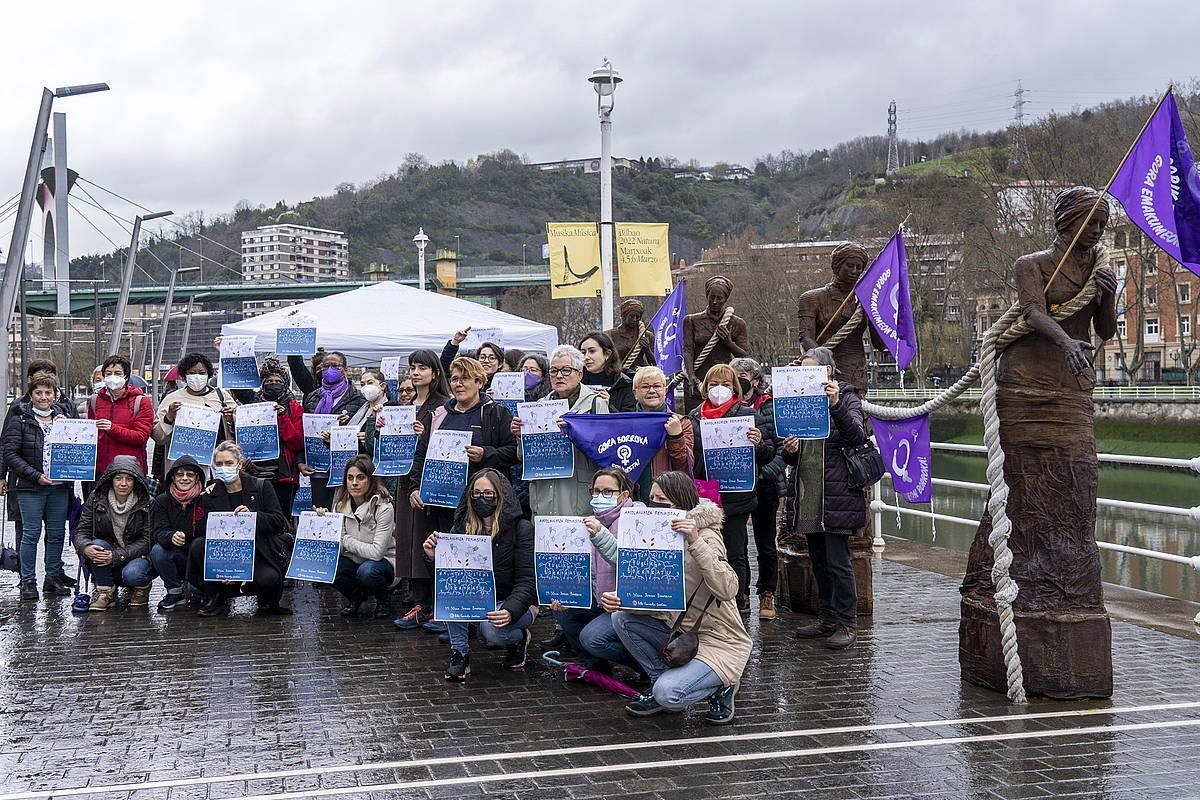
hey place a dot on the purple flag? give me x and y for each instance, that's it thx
(668, 332)
(1159, 188)
(883, 293)
(904, 445)
(628, 440)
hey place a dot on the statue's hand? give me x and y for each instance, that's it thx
(1079, 356)
(1106, 279)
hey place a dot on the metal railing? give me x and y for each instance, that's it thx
(1099, 393)
(878, 506)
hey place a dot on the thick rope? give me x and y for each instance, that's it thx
(838, 336)
(1010, 327)
(708, 348)
(636, 350)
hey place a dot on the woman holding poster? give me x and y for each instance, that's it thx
(235, 490)
(490, 508)
(826, 510)
(723, 646)
(334, 394)
(723, 398)
(196, 370)
(176, 520)
(367, 564)
(282, 472)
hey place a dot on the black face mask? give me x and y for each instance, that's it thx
(275, 391)
(482, 507)
(656, 504)
(746, 387)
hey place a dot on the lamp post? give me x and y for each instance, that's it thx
(114, 342)
(604, 80)
(524, 247)
(160, 341)
(13, 267)
(421, 241)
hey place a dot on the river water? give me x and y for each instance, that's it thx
(1168, 534)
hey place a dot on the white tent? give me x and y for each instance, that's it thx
(389, 319)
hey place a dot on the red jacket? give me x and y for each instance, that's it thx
(291, 439)
(129, 432)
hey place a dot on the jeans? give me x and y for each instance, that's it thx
(837, 596)
(679, 688)
(572, 622)
(48, 504)
(137, 573)
(643, 636)
(170, 563)
(765, 519)
(674, 688)
(599, 642)
(354, 580)
(510, 634)
(734, 534)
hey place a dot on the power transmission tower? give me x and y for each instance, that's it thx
(1018, 155)
(893, 161)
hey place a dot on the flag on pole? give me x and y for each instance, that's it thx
(668, 332)
(1159, 188)
(905, 447)
(884, 295)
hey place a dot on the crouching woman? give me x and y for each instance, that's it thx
(724, 646)
(114, 534)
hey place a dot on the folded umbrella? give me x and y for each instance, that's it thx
(578, 672)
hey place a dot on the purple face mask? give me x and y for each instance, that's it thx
(531, 380)
(331, 375)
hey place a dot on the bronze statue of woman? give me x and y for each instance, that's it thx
(1044, 384)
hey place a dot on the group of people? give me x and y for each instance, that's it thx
(145, 515)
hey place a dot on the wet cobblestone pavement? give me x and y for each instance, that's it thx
(202, 708)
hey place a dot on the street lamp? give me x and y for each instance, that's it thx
(604, 80)
(161, 340)
(16, 249)
(523, 248)
(114, 342)
(421, 241)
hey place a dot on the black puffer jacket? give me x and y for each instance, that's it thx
(512, 549)
(168, 516)
(23, 442)
(96, 522)
(772, 476)
(736, 503)
(620, 390)
(350, 403)
(271, 539)
(845, 508)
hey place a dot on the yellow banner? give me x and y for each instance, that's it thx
(574, 259)
(643, 259)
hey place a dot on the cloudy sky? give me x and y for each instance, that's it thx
(215, 102)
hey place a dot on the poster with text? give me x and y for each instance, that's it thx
(477, 336)
(546, 452)
(562, 561)
(464, 585)
(574, 259)
(297, 336)
(728, 452)
(303, 499)
(73, 445)
(508, 389)
(256, 426)
(316, 452)
(445, 473)
(194, 434)
(229, 545)
(238, 368)
(318, 545)
(343, 446)
(390, 367)
(395, 441)
(801, 407)
(643, 258)
(650, 560)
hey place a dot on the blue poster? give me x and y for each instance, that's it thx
(650, 560)
(73, 450)
(728, 452)
(464, 585)
(390, 367)
(295, 341)
(303, 499)
(318, 545)
(508, 389)
(546, 452)
(257, 428)
(194, 434)
(445, 474)
(801, 407)
(562, 561)
(229, 546)
(395, 442)
(343, 446)
(316, 452)
(238, 368)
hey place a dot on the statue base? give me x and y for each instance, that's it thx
(1063, 656)
(798, 586)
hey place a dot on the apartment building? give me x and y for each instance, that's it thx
(281, 253)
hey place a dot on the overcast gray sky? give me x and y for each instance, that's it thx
(213, 102)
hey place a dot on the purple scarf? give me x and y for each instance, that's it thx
(331, 394)
(605, 574)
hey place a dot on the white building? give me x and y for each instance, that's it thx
(278, 253)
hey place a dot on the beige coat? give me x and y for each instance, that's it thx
(367, 530)
(724, 643)
(163, 430)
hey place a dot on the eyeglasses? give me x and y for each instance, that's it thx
(654, 387)
(561, 372)
(605, 492)
(403, 390)
(484, 495)
(486, 357)
(461, 379)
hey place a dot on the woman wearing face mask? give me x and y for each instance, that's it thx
(41, 500)
(336, 395)
(723, 398)
(197, 371)
(124, 416)
(234, 490)
(367, 564)
(488, 508)
(537, 377)
(176, 519)
(374, 388)
(282, 472)
(602, 371)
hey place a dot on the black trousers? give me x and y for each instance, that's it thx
(766, 525)
(837, 596)
(322, 494)
(286, 492)
(736, 549)
(267, 583)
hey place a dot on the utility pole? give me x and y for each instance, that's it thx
(893, 158)
(1017, 156)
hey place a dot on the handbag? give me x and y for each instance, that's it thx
(681, 646)
(864, 465)
(10, 559)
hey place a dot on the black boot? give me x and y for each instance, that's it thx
(351, 610)
(52, 587)
(29, 590)
(818, 630)
(383, 608)
(720, 706)
(556, 641)
(843, 638)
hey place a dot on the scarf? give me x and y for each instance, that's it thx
(647, 477)
(331, 394)
(604, 574)
(119, 512)
(183, 498)
(709, 411)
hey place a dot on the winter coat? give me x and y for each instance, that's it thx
(95, 522)
(736, 503)
(367, 530)
(350, 402)
(678, 452)
(772, 476)
(512, 550)
(570, 496)
(63, 404)
(132, 420)
(23, 444)
(845, 508)
(168, 516)
(271, 539)
(213, 398)
(620, 390)
(495, 436)
(724, 643)
(291, 441)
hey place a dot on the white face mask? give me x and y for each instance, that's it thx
(370, 391)
(43, 413)
(114, 382)
(97, 386)
(719, 395)
(196, 382)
